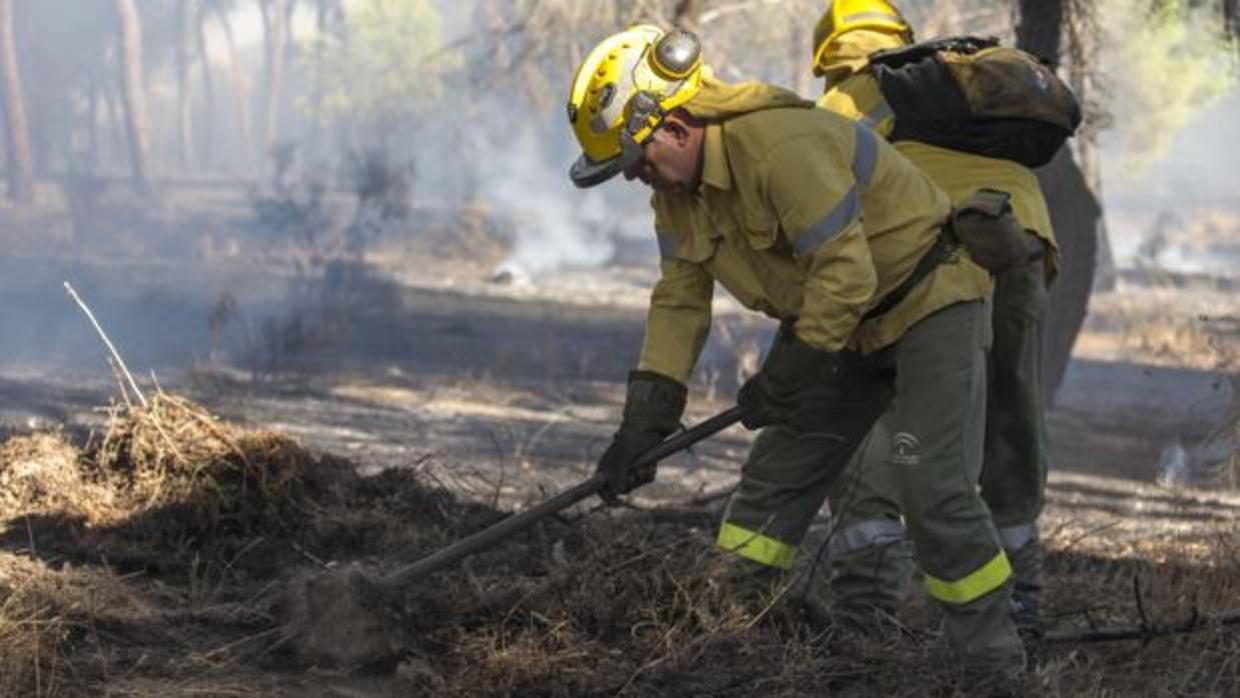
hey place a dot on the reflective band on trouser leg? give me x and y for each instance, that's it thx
(1016, 537)
(755, 546)
(865, 534)
(980, 582)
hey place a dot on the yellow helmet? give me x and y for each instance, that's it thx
(842, 16)
(621, 93)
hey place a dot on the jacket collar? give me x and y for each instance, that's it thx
(715, 172)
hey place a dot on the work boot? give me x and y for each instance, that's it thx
(1027, 589)
(983, 634)
(870, 585)
(754, 584)
(991, 682)
(780, 596)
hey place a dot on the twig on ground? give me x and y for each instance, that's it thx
(1097, 529)
(30, 536)
(310, 556)
(120, 383)
(710, 496)
(1136, 592)
(1194, 623)
(103, 335)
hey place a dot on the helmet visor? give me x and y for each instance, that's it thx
(588, 173)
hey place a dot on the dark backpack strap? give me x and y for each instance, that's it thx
(899, 57)
(944, 245)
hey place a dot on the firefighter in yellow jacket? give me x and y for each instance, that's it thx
(867, 565)
(818, 223)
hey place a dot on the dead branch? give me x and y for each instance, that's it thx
(103, 335)
(710, 496)
(1145, 631)
(718, 12)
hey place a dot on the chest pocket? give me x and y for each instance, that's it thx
(749, 221)
(689, 237)
(759, 232)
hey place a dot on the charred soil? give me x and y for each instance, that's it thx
(169, 556)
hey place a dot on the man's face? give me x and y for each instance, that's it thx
(670, 159)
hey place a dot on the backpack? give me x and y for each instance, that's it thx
(970, 94)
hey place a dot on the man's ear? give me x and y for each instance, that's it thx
(676, 130)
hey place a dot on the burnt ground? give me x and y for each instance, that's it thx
(504, 393)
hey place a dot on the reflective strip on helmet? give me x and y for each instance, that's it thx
(848, 209)
(980, 582)
(876, 115)
(865, 534)
(1016, 537)
(862, 16)
(668, 242)
(755, 546)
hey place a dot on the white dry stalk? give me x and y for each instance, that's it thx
(103, 335)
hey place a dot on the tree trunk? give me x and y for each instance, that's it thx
(92, 124)
(277, 37)
(17, 135)
(799, 54)
(322, 22)
(185, 126)
(1091, 169)
(1083, 48)
(1040, 28)
(1075, 216)
(207, 144)
(115, 121)
(241, 96)
(137, 124)
(1076, 213)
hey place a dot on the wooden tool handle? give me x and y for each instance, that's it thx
(493, 534)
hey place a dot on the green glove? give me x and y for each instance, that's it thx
(771, 395)
(652, 410)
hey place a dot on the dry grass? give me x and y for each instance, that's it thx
(31, 633)
(150, 564)
(174, 454)
(41, 473)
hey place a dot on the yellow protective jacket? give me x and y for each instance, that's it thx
(800, 214)
(854, 93)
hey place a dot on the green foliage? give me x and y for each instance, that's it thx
(1164, 66)
(386, 66)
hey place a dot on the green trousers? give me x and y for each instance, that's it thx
(934, 381)
(870, 565)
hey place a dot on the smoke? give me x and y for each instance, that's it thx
(1163, 69)
(553, 227)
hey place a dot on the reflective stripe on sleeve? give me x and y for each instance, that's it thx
(667, 244)
(1016, 537)
(837, 220)
(755, 546)
(865, 534)
(875, 116)
(864, 156)
(975, 585)
(832, 224)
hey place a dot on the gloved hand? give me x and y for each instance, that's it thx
(771, 395)
(652, 410)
